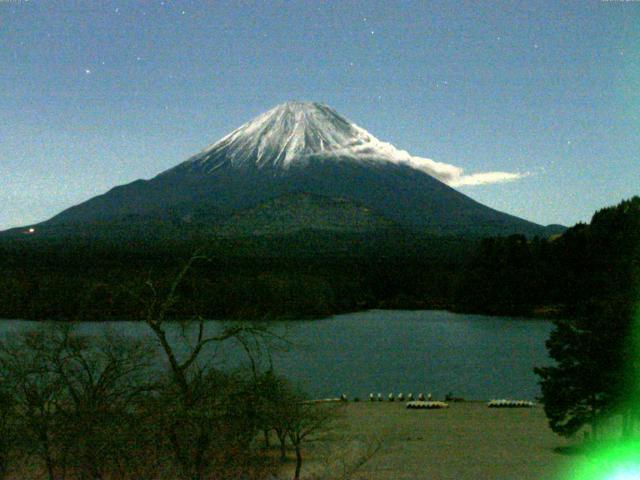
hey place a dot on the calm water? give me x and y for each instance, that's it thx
(473, 356)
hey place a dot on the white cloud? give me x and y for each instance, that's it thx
(455, 176)
(370, 146)
(488, 177)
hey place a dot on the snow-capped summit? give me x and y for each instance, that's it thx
(287, 132)
(290, 132)
(295, 132)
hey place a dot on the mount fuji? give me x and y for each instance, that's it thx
(307, 161)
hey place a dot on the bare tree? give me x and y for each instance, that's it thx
(104, 379)
(38, 393)
(196, 396)
(76, 394)
(268, 388)
(303, 420)
(274, 400)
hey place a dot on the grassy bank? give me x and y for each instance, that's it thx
(466, 441)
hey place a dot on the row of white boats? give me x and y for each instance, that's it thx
(427, 402)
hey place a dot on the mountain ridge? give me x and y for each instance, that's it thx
(295, 148)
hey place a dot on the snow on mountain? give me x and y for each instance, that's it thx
(296, 132)
(289, 132)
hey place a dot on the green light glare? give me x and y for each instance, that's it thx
(618, 461)
(625, 474)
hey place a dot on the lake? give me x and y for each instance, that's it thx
(473, 356)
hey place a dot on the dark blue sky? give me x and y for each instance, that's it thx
(99, 93)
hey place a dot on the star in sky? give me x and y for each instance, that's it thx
(404, 52)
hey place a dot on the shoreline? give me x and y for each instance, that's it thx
(542, 312)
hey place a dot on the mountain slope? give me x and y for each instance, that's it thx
(299, 148)
(295, 212)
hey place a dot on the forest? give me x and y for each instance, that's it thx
(314, 274)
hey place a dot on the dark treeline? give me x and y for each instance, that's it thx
(596, 262)
(595, 373)
(306, 275)
(313, 274)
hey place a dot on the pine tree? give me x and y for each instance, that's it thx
(597, 371)
(589, 380)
